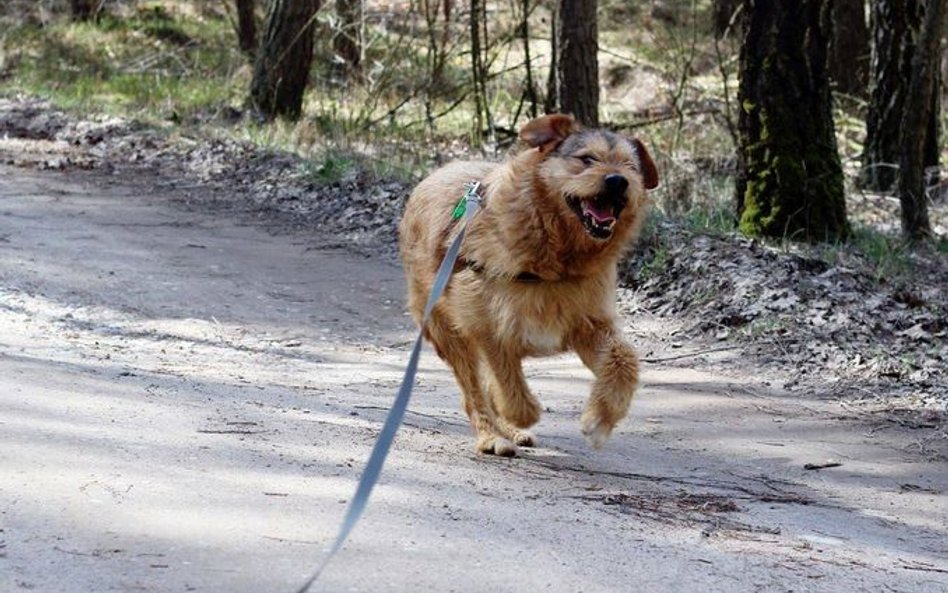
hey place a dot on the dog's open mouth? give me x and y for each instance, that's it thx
(597, 214)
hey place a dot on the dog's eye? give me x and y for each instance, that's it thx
(588, 160)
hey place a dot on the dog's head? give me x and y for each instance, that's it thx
(596, 173)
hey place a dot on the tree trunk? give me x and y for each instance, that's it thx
(436, 57)
(530, 92)
(246, 27)
(281, 70)
(577, 72)
(790, 181)
(895, 27)
(482, 117)
(849, 48)
(84, 10)
(723, 15)
(916, 118)
(551, 101)
(347, 42)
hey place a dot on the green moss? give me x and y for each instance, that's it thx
(794, 182)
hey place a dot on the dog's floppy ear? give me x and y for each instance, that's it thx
(649, 172)
(548, 131)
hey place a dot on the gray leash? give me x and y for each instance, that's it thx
(467, 207)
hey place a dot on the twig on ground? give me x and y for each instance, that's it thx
(691, 354)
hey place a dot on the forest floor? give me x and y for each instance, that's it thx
(198, 344)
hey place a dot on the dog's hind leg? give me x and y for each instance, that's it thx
(616, 367)
(462, 356)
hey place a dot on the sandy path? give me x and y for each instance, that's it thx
(186, 402)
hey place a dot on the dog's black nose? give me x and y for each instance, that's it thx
(615, 184)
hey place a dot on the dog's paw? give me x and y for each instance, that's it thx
(595, 430)
(520, 437)
(495, 445)
(524, 438)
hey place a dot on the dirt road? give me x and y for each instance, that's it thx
(186, 402)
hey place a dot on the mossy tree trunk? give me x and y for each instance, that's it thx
(894, 26)
(576, 84)
(281, 69)
(790, 181)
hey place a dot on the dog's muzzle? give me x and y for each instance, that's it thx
(600, 213)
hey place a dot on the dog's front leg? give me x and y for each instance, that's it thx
(511, 395)
(517, 408)
(616, 367)
(461, 354)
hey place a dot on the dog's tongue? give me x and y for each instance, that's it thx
(602, 213)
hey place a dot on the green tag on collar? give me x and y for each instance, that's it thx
(469, 194)
(460, 209)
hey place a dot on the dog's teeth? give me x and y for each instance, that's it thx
(599, 216)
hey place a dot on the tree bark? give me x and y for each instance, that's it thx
(84, 10)
(577, 72)
(482, 116)
(895, 26)
(551, 101)
(530, 92)
(849, 48)
(436, 56)
(723, 15)
(347, 42)
(246, 27)
(916, 118)
(790, 181)
(281, 70)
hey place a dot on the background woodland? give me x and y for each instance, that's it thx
(801, 216)
(763, 113)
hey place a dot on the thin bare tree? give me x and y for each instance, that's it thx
(483, 123)
(347, 40)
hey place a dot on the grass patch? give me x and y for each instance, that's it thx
(887, 256)
(941, 245)
(714, 219)
(152, 66)
(333, 167)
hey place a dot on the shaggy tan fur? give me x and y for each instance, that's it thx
(537, 273)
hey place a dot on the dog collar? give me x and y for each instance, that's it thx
(477, 268)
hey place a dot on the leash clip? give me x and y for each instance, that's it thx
(470, 195)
